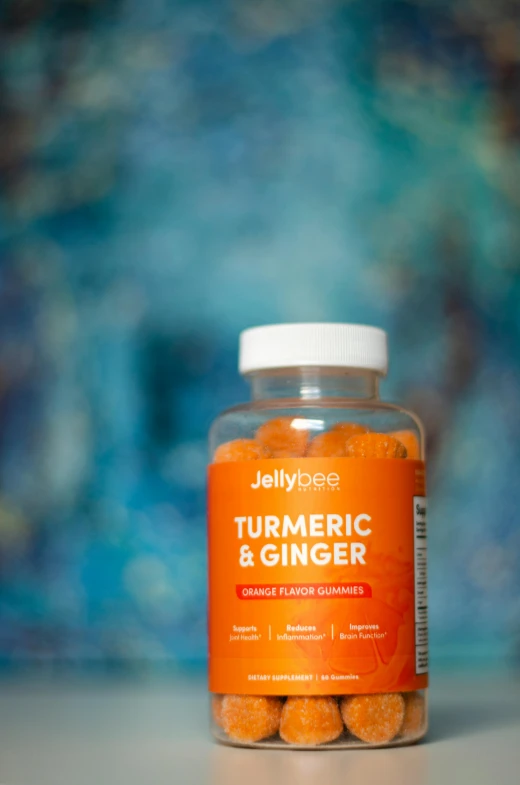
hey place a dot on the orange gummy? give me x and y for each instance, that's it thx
(333, 443)
(282, 438)
(376, 719)
(410, 441)
(216, 709)
(414, 713)
(349, 429)
(240, 450)
(310, 720)
(250, 718)
(375, 445)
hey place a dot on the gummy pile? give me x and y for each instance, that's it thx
(313, 720)
(308, 721)
(278, 438)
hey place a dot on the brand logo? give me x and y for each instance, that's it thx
(300, 481)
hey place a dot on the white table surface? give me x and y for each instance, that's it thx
(156, 734)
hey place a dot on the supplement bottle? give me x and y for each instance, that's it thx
(317, 548)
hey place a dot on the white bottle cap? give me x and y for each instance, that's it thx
(327, 345)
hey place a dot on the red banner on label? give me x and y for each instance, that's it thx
(299, 591)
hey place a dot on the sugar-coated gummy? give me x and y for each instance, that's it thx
(216, 709)
(375, 445)
(250, 718)
(349, 429)
(376, 719)
(410, 441)
(310, 721)
(333, 443)
(414, 714)
(240, 450)
(283, 437)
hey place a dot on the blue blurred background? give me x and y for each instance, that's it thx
(172, 172)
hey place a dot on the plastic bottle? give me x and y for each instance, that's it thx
(317, 548)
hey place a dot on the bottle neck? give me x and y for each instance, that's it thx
(314, 384)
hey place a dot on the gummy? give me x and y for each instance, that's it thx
(376, 719)
(282, 438)
(240, 450)
(333, 443)
(250, 718)
(410, 441)
(375, 445)
(349, 429)
(327, 445)
(310, 720)
(216, 709)
(414, 714)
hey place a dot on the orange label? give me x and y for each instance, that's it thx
(317, 576)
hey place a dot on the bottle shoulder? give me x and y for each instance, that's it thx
(325, 404)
